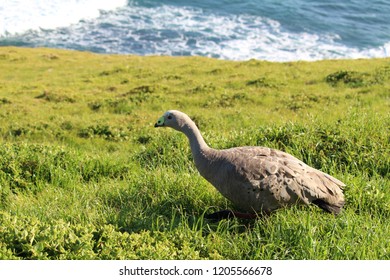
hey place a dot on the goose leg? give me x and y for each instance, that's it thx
(229, 214)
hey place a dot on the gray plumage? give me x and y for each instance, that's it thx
(258, 179)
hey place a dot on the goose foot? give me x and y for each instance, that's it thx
(229, 214)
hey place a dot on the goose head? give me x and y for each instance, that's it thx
(174, 119)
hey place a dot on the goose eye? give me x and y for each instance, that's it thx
(169, 117)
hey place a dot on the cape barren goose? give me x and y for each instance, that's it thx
(257, 179)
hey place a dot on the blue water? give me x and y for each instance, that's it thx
(276, 30)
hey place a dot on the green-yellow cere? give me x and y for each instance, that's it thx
(160, 121)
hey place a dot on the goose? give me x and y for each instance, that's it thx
(257, 180)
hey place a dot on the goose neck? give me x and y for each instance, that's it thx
(197, 142)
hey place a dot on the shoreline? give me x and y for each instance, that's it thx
(188, 56)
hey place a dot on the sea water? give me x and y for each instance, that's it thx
(275, 30)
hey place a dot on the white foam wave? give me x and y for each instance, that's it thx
(172, 30)
(233, 37)
(17, 16)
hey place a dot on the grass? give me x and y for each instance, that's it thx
(84, 175)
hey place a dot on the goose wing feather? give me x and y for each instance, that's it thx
(264, 179)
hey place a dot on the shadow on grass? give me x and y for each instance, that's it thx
(168, 214)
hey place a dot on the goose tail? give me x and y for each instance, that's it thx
(330, 208)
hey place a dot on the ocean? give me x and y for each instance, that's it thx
(273, 30)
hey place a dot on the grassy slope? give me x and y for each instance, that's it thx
(84, 175)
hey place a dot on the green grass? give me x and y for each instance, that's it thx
(84, 175)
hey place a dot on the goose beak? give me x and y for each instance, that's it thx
(160, 122)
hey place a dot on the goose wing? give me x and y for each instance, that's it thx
(277, 178)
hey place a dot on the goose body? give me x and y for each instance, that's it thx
(258, 179)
